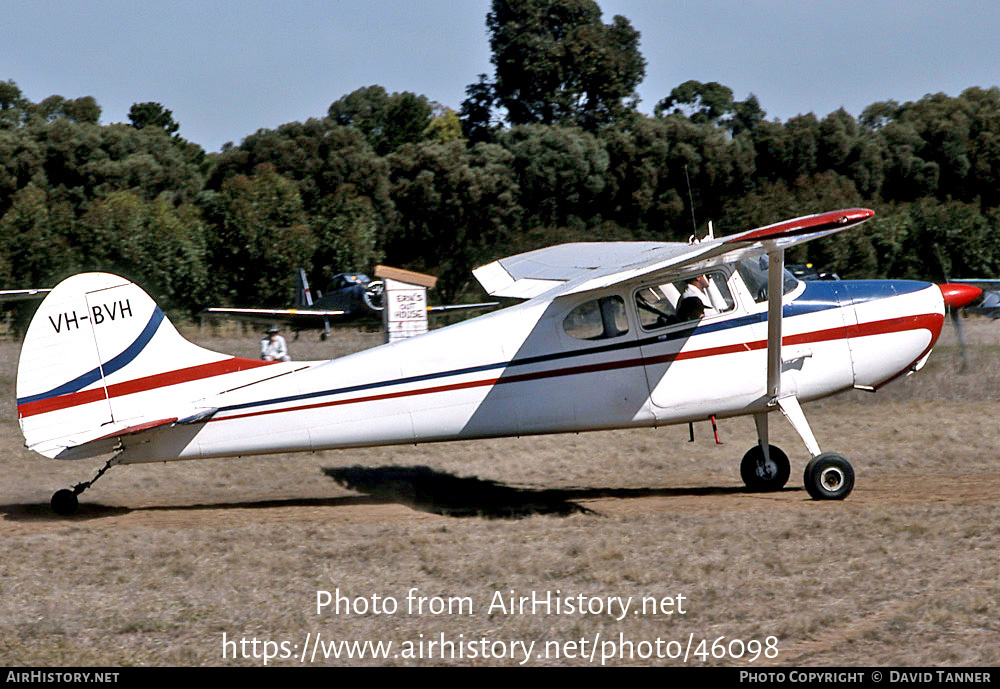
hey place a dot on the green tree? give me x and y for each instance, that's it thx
(13, 105)
(319, 155)
(700, 103)
(561, 172)
(950, 238)
(347, 233)
(456, 207)
(152, 115)
(478, 113)
(557, 63)
(155, 243)
(445, 125)
(261, 236)
(33, 245)
(387, 121)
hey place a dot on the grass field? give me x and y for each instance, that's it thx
(164, 559)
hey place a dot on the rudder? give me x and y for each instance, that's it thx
(100, 356)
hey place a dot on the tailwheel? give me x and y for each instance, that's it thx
(762, 475)
(64, 502)
(829, 476)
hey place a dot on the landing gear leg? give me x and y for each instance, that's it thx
(764, 467)
(828, 476)
(65, 502)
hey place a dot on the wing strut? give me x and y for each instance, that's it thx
(788, 404)
(775, 278)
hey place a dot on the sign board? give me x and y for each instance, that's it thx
(405, 299)
(405, 312)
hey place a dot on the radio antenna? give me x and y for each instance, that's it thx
(694, 225)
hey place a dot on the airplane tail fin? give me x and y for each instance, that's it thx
(303, 297)
(101, 360)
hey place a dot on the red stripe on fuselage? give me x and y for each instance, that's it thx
(931, 322)
(144, 384)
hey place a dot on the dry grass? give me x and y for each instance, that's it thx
(164, 559)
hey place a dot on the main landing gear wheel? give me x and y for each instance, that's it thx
(829, 476)
(64, 502)
(760, 476)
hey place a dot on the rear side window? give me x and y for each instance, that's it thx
(598, 319)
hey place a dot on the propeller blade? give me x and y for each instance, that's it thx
(956, 319)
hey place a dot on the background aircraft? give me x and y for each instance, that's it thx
(806, 271)
(599, 342)
(990, 305)
(348, 296)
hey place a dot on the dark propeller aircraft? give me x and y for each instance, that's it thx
(348, 297)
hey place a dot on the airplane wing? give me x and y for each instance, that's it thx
(582, 267)
(459, 307)
(533, 273)
(22, 294)
(271, 315)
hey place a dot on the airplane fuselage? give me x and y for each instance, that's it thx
(529, 369)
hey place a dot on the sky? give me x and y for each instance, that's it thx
(226, 68)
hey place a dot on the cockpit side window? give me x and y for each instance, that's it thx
(688, 299)
(597, 319)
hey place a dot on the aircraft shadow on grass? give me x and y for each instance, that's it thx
(419, 487)
(42, 512)
(428, 490)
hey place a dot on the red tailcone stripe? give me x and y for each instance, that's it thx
(129, 387)
(931, 322)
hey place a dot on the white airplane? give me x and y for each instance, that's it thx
(608, 337)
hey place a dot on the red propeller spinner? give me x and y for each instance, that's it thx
(956, 296)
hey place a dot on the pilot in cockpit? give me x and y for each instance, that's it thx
(698, 288)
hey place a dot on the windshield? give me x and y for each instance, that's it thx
(754, 274)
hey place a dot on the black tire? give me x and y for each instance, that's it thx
(64, 502)
(775, 474)
(829, 476)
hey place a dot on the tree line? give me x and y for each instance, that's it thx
(549, 148)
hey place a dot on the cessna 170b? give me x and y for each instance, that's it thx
(608, 336)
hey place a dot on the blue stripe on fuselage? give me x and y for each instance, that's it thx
(817, 296)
